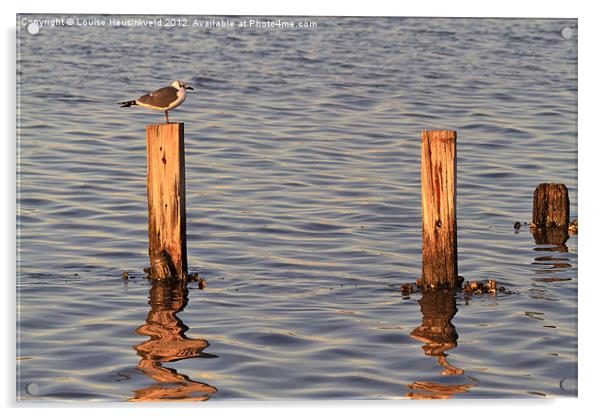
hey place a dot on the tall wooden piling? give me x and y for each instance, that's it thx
(439, 235)
(166, 188)
(551, 205)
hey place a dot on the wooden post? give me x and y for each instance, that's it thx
(439, 238)
(166, 188)
(551, 205)
(551, 215)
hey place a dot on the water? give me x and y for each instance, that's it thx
(304, 216)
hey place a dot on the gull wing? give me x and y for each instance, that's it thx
(160, 98)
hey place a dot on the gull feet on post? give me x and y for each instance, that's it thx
(166, 117)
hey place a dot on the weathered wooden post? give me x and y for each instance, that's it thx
(551, 214)
(166, 188)
(551, 205)
(439, 235)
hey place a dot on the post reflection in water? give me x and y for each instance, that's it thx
(439, 335)
(556, 236)
(168, 343)
(552, 240)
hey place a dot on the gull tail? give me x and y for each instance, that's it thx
(127, 103)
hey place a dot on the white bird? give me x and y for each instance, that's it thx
(165, 99)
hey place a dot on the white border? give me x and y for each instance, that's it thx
(589, 154)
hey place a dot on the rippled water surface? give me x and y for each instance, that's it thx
(304, 212)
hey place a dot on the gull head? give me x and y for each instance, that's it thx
(181, 85)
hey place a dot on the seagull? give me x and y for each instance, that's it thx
(166, 98)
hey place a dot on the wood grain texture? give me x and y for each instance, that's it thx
(166, 200)
(551, 205)
(439, 232)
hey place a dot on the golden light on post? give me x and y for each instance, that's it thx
(166, 188)
(439, 235)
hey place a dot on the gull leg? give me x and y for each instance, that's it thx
(166, 117)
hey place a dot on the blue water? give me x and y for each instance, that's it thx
(303, 205)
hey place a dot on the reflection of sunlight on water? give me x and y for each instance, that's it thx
(168, 343)
(439, 335)
(428, 390)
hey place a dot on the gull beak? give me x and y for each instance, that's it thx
(188, 87)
